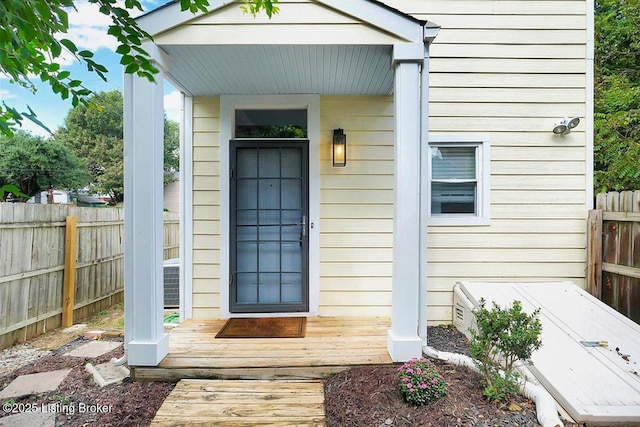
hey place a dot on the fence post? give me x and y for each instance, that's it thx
(594, 253)
(69, 289)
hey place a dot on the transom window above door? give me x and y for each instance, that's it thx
(271, 124)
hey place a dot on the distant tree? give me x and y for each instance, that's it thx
(617, 95)
(32, 36)
(33, 164)
(95, 133)
(171, 150)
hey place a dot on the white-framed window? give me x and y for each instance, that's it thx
(459, 179)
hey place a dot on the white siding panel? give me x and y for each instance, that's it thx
(503, 80)
(506, 22)
(289, 13)
(499, 7)
(206, 209)
(506, 51)
(356, 208)
(504, 109)
(507, 36)
(507, 95)
(504, 65)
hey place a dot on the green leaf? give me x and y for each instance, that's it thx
(69, 45)
(126, 59)
(56, 49)
(85, 54)
(133, 39)
(123, 49)
(63, 75)
(101, 68)
(131, 68)
(114, 31)
(32, 116)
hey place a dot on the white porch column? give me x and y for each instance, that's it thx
(146, 342)
(403, 341)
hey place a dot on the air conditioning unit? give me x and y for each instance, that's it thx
(172, 283)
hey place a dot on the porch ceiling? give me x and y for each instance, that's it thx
(203, 70)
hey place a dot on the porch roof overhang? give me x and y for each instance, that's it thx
(343, 47)
(281, 69)
(346, 48)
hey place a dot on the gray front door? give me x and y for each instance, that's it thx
(269, 216)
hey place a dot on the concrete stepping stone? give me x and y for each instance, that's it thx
(94, 349)
(31, 419)
(107, 373)
(34, 383)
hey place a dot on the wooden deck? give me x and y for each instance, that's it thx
(247, 403)
(331, 345)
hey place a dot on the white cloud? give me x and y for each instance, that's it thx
(6, 94)
(92, 37)
(173, 105)
(88, 28)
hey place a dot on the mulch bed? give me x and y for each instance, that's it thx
(125, 404)
(369, 396)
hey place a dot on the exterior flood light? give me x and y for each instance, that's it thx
(339, 148)
(565, 125)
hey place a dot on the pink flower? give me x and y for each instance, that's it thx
(409, 385)
(418, 371)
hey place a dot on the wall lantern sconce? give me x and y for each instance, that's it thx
(339, 148)
(565, 125)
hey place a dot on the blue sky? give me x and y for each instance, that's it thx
(88, 30)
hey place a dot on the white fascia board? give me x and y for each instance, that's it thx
(376, 15)
(171, 16)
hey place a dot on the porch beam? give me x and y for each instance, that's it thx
(145, 340)
(403, 341)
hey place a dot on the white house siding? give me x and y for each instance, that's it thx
(206, 207)
(510, 69)
(506, 69)
(356, 208)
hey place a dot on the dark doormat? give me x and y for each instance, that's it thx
(267, 327)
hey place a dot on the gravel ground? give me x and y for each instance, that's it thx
(19, 355)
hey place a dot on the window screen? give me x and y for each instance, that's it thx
(454, 180)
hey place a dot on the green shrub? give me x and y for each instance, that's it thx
(503, 337)
(419, 382)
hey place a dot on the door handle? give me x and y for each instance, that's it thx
(304, 225)
(303, 232)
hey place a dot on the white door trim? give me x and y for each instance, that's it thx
(228, 105)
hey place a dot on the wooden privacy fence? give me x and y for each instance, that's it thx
(613, 273)
(36, 263)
